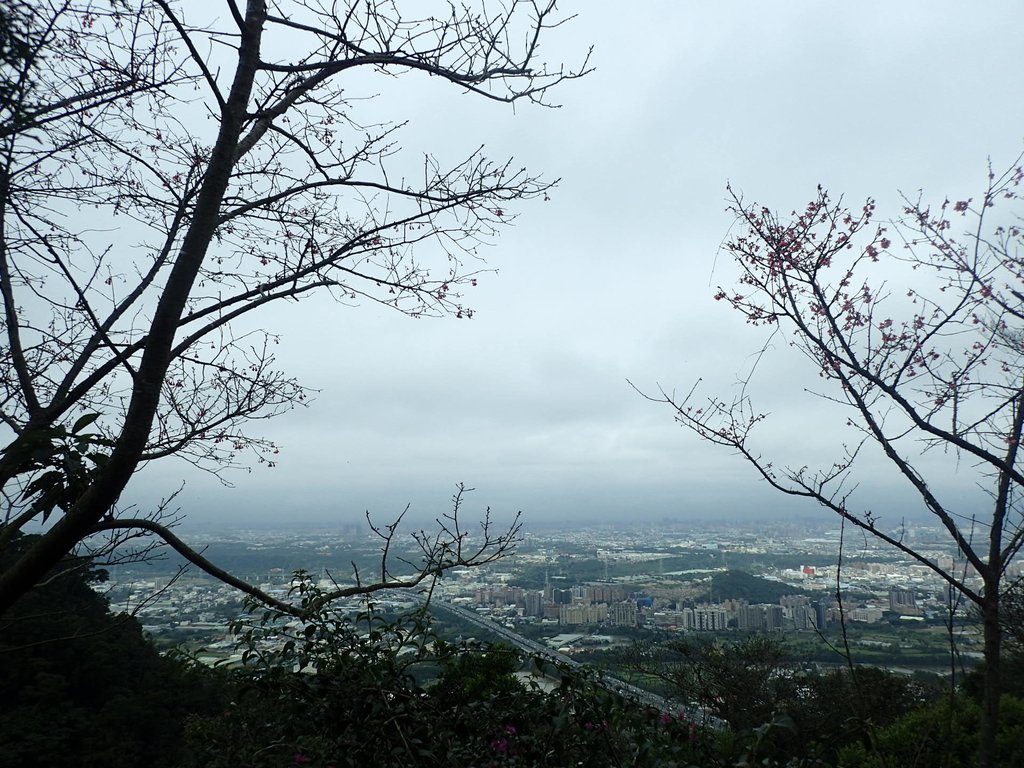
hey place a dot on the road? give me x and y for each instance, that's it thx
(640, 695)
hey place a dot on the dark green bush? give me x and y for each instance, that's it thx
(943, 734)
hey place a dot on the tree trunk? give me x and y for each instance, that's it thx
(98, 499)
(992, 687)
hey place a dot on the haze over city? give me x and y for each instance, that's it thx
(613, 278)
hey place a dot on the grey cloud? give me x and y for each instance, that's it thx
(612, 278)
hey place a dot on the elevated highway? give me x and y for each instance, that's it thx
(640, 695)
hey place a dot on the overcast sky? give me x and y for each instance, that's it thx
(613, 278)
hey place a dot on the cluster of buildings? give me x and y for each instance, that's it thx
(645, 593)
(586, 604)
(611, 604)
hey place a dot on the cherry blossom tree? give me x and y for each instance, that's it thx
(914, 330)
(167, 171)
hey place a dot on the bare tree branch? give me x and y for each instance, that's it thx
(943, 369)
(441, 551)
(134, 237)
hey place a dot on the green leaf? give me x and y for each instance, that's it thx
(47, 502)
(99, 459)
(48, 481)
(84, 422)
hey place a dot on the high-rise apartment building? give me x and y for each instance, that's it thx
(622, 614)
(901, 600)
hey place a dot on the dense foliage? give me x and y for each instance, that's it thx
(751, 681)
(361, 690)
(743, 586)
(944, 734)
(83, 687)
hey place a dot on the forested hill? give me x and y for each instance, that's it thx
(739, 585)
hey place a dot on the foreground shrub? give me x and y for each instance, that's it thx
(80, 686)
(943, 734)
(342, 690)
